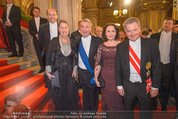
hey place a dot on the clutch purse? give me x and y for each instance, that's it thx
(102, 82)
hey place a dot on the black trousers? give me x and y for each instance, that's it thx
(166, 77)
(176, 80)
(90, 91)
(15, 35)
(133, 91)
(38, 50)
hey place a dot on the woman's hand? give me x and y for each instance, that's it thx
(74, 74)
(97, 82)
(49, 75)
(97, 70)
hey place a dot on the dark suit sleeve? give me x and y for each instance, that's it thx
(17, 16)
(173, 51)
(118, 71)
(41, 36)
(155, 36)
(156, 65)
(49, 53)
(31, 28)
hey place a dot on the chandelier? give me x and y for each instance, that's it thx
(120, 13)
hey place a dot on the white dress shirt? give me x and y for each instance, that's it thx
(37, 23)
(9, 6)
(53, 30)
(86, 44)
(164, 47)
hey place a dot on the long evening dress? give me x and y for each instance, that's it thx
(65, 97)
(110, 98)
(4, 43)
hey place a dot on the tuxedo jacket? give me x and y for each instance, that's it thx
(14, 17)
(175, 53)
(44, 35)
(95, 41)
(149, 53)
(32, 26)
(157, 37)
(76, 35)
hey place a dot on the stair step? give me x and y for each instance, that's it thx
(27, 64)
(13, 60)
(47, 106)
(28, 85)
(35, 69)
(35, 98)
(3, 62)
(8, 69)
(3, 50)
(13, 77)
(4, 55)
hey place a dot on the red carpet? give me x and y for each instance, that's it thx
(28, 87)
(3, 62)
(8, 69)
(14, 77)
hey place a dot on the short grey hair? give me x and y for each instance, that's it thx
(131, 20)
(86, 20)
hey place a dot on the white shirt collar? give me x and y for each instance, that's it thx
(89, 37)
(37, 17)
(137, 42)
(169, 33)
(10, 5)
(53, 25)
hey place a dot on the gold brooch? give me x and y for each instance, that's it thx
(148, 66)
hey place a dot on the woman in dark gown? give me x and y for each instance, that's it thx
(110, 98)
(61, 69)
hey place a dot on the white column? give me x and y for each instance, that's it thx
(77, 14)
(43, 5)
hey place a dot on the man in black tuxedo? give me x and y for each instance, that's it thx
(137, 65)
(165, 40)
(48, 31)
(11, 18)
(34, 25)
(90, 45)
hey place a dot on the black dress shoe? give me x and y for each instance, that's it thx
(42, 70)
(20, 55)
(12, 55)
(164, 108)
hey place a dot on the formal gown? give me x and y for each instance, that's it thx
(65, 97)
(4, 43)
(110, 98)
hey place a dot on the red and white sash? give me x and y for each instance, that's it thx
(135, 61)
